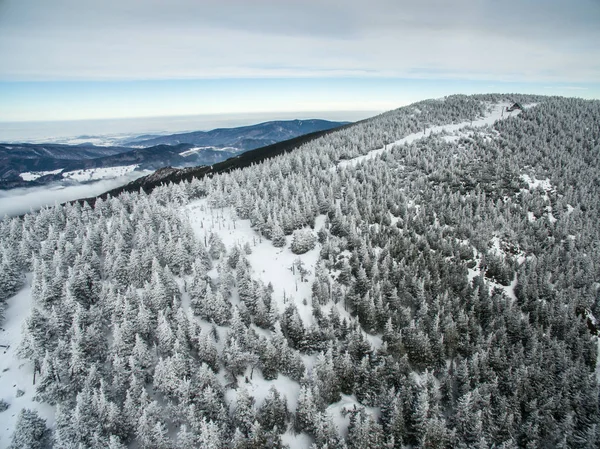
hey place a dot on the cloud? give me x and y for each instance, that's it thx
(23, 200)
(512, 40)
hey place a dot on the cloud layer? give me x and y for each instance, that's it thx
(524, 40)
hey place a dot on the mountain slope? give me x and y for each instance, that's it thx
(379, 286)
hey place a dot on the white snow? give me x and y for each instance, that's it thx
(94, 174)
(33, 175)
(495, 247)
(535, 183)
(259, 388)
(346, 403)
(496, 112)
(299, 441)
(16, 373)
(198, 149)
(270, 264)
(91, 174)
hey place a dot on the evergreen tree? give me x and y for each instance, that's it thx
(30, 431)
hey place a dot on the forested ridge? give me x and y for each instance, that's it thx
(452, 302)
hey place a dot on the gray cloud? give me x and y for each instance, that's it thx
(523, 40)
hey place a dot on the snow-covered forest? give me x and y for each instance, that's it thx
(439, 294)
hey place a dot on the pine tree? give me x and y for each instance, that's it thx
(30, 431)
(243, 414)
(305, 411)
(277, 236)
(273, 413)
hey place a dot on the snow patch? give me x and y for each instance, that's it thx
(269, 264)
(95, 174)
(16, 374)
(296, 441)
(335, 411)
(33, 175)
(535, 183)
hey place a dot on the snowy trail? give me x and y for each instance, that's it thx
(15, 373)
(495, 114)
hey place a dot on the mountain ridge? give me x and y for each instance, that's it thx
(243, 137)
(221, 144)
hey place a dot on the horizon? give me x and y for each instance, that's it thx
(65, 61)
(57, 131)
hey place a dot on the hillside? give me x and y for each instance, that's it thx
(425, 278)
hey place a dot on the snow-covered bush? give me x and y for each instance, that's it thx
(303, 240)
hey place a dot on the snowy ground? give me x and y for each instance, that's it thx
(496, 248)
(198, 149)
(33, 175)
(23, 200)
(95, 174)
(497, 112)
(274, 265)
(537, 183)
(547, 187)
(16, 375)
(91, 174)
(336, 412)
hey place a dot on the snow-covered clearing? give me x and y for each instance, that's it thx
(537, 183)
(336, 412)
(298, 441)
(496, 247)
(94, 174)
(547, 187)
(270, 264)
(91, 174)
(274, 265)
(16, 374)
(33, 175)
(258, 388)
(497, 112)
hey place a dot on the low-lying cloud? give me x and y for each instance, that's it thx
(23, 200)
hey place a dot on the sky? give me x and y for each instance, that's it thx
(82, 60)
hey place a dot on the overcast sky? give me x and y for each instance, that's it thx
(90, 59)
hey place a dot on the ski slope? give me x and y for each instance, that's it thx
(497, 112)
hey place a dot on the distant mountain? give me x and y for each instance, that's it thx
(243, 138)
(16, 158)
(27, 164)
